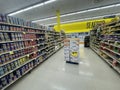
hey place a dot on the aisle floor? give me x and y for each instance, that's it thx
(54, 74)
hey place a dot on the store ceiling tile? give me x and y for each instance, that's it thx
(49, 10)
(82, 16)
(65, 6)
(7, 6)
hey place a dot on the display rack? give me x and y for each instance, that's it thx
(71, 50)
(22, 48)
(94, 40)
(63, 36)
(49, 45)
(58, 40)
(108, 44)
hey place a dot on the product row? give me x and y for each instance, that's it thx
(17, 21)
(11, 77)
(20, 29)
(19, 36)
(16, 54)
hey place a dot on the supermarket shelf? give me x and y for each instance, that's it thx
(11, 31)
(23, 74)
(39, 33)
(111, 50)
(16, 59)
(16, 79)
(50, 33)
(110, 34)
(111, 56)
(35, 32)
(20, 65)
(40, 55)
(111, 44)
(57, 34)
(41, 49)
(8, 31)
(96, 51)
(18, 40)
(10, 41)
(22, 26)
(106, 60)
(97, 46)
(53, 52)
(49, 48)
(57, 43)
(20, 57)
(17, 67)
(115, 30)
(109, 40)
(15, 41)
(115, 68)
(20, 49)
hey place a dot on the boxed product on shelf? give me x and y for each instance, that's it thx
(1, 71)
(4, 81)
(9, 67)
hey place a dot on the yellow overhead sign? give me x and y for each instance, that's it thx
(83, 26)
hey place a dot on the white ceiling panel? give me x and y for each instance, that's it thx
(65, 6)
(85, 15)
(49, 10)
(7, 6)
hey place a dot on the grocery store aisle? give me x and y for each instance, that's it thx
(54, 74)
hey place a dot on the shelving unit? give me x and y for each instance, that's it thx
(58, 40)
(49, 46)
(23, 46)
(109, 44)
(94, 41)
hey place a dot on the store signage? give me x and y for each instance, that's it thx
(83, 26)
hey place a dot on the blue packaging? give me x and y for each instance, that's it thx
(5, 69)
(1, 71)
(4, 81)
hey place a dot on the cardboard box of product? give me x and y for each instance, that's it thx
(74, 49)
(71, 49)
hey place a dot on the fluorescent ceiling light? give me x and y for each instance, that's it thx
(49, 1)
(80, 19)
(89, 10)
(44, 19)
(32, 7)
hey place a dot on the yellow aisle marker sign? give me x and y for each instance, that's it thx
(83, 26)
(58, 19)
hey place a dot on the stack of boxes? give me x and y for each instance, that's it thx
(71, 50)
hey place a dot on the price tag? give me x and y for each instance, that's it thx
(11, 52)
(75, 54)
(28, 55)
(24, 32)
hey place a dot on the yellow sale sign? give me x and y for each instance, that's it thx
(83, 26)
(75, 54)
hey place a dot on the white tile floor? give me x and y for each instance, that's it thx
(54, 74)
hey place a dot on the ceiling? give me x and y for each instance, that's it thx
(49, 10)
